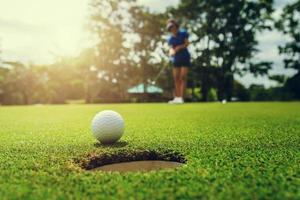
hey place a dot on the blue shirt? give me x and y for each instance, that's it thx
(183, 54)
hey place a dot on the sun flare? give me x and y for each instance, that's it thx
(41, 30)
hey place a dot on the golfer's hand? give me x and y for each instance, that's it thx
(172, 52)
(178, 48)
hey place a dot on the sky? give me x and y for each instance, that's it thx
(39, 31)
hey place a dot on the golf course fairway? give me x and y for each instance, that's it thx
(232, 151)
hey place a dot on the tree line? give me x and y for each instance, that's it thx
(131, 47)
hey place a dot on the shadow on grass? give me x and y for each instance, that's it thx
(119, 144)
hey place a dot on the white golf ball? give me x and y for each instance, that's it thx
(108, 126)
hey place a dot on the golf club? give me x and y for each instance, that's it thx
(153, 82)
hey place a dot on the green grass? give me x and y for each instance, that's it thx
(234, 151)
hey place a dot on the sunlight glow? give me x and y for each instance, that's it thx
(35, 30)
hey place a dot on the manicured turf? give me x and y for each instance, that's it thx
(233, 151)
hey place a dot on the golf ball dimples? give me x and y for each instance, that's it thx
(108, 126)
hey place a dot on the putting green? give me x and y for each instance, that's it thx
(233, 151)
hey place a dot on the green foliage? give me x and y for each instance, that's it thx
(19, 83)
(259, 69)
(233, 151)
(31, 84)
(148, 28)
(289, 24)
(292, 86)
(278, 78)
(240, 92)
(260, 93)
(126, 47)
(108, 25)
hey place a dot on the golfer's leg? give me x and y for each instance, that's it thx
(183, 79)
(176, 76)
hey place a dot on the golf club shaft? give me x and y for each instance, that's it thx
(159, 73)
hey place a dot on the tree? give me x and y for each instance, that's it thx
(289, 24)
(147, 28)
(2, 74)
(240, 92)
(87, 78)
(109, 23)
(225, 38)
(130, 40)
(19, 84)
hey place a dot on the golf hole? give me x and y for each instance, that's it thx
(134, 161)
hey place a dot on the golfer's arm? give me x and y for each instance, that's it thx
(183, 46)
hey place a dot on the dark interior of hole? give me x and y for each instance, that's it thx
(94, 160)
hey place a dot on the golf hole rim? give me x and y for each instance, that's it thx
(97, 161)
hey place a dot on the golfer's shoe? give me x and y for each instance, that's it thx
(176, 100)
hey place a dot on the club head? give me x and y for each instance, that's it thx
(151, 82)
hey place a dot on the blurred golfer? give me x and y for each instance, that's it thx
(180, 57)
